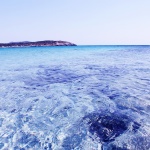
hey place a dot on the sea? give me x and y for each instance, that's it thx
(75, 98)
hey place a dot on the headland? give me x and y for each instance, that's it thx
(36, 44)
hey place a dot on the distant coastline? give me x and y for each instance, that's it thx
(36, 44)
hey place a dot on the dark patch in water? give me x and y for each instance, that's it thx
(58, 76)
(13, 111)
(113, 72)
(105, 128)
(51, 76)
(136, 126)
(114, 147)
(109, 126)
(48, 146)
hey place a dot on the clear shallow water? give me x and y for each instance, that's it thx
(81, 98)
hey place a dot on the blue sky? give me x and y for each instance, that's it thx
(78, 21)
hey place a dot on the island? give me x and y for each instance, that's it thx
(36, 44)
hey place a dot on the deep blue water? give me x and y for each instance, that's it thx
(75, 98)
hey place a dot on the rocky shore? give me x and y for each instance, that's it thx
(36, 44)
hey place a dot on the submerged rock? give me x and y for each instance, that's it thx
(110, 125)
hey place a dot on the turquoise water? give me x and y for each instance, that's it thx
(81, 98)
